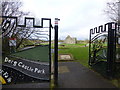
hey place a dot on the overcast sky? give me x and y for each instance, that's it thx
(77, 17)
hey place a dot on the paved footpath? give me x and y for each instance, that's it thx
(75, 75)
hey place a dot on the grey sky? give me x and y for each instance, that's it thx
(77, 17)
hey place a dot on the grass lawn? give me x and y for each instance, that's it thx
(38, 53)
(78, 52)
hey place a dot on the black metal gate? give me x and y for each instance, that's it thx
(26, 50)
(104, 48)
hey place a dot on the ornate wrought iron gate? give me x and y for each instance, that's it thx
(20, 44)
(104, 48)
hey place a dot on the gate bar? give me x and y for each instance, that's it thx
(56, 52)
(111, 48)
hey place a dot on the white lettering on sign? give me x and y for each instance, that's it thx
(20, 64)
(39, 71)
(9, 61)
(9, 80)
(6, 75)
(23, 66)
(6, 59)
(14, 63)
(1, 71)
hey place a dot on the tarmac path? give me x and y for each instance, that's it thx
(75, 75)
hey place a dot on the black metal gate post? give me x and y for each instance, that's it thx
(90, 48)
(56, 52)
(111, 48)
(50, 26)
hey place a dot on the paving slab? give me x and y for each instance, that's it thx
(75, 75)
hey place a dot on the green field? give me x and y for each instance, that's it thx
(78, 51)
(39, 53)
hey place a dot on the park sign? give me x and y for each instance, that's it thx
(32, 69)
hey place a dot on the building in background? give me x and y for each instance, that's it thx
(70, 40)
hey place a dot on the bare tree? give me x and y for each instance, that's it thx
(12, 9)
(112, 10)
